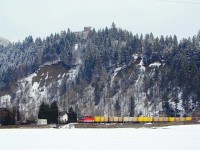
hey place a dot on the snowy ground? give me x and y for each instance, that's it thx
(164, 138)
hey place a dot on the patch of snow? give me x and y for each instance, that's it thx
(50, 63)
(78, 61)
(141, 64)
(114, 74)
(135, 56)
(30, 78)
(155, 64)
(47, 76)
(35, 86)
(68, 126)
(59, 82)
(63, 75)
(76, 47)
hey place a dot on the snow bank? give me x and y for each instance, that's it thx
(68, 126)
(165, 138)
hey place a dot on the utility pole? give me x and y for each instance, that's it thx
(58, 117)
(16, 108)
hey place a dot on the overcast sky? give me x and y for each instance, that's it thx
(40, 18)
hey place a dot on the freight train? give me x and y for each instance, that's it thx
(104, 119)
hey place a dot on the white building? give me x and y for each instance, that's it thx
(42, 122)
(63, 118)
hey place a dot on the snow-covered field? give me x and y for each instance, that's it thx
(164, 138)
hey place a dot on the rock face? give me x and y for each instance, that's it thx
(53, 82)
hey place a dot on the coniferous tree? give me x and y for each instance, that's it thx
(132, 107)
(72, 116)
(9, 118)
(117, 108)
(43, 111)
(169, 112)
(53, 116)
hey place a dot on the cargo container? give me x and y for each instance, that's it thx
(177, 119)
(140, 119)
(102, 119)
(115, 119)
(171, 119)
(135, 119)
(155, 119)
(188, 118)
(97, 119)
(165, 119)
(106, 119)
(126, 119)
(110, 119)
(120, 119)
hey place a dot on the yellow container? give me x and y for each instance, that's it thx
(140, 119)
(171, 119)
(150, 119)
(102, 119)
(97, 119)
(188, 118)
(145, 119)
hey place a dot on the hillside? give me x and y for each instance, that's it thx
(105, 72)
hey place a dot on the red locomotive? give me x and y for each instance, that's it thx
(87, 119)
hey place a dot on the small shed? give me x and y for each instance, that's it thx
(42, 122)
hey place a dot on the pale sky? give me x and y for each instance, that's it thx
(40, 18)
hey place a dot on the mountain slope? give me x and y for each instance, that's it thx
(106, 72)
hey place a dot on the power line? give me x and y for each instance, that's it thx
(183, 2)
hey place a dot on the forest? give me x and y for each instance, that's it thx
(102, 52)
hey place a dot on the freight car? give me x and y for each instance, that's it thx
(87, 119)
(114, 119)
